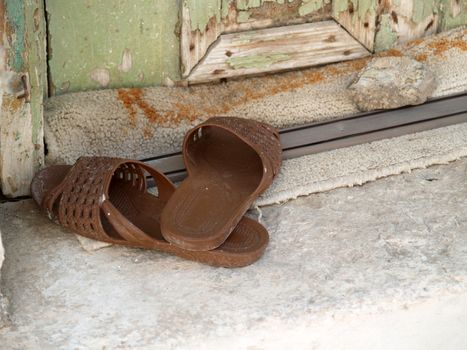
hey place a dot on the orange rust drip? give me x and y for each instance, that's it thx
(414, 42)
(421, 57)
(147, 133)
(127, 101)
(391, 53)
(133, 98)
(185, 109)
(441, 46)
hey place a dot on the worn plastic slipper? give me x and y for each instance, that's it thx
(230, 162)
(106, 199)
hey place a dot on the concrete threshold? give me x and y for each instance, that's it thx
(379, 266)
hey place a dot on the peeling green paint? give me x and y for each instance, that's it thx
(243, 39)
(385, 38)
(242, 5)
(90, 37)
(15, 14)
(423, 9)
(363, 7)
(247, 4)
(225, 5)
(454, 14)
(243, 16)
(89, 40)
(256, 61)
(254, 3)
(339, 6)
(310, 6)
(22, 118)
(201, 12)
(27, 55)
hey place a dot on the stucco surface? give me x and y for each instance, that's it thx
(379, 266)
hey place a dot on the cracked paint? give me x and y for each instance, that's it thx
(257, 61)
(126, 38)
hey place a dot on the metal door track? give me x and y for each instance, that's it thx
(349, 131)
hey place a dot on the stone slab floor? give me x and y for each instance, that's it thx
(380, 266)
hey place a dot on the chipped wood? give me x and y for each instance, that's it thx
(359, 20)
(273, 14)
(401, 21)
(382, 24)
(276, 49)
(195, 42)
(23, 57)
(227, 16)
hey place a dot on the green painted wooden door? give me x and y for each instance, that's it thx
(111, 43)
(126, 43)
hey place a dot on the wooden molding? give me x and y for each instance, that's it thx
(276, 49)
(203, 22)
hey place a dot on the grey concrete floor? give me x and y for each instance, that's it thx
(380, 266)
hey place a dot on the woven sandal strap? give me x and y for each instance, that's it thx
(262, 137)
(83, 196)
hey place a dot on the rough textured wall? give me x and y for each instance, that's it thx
(112, 43)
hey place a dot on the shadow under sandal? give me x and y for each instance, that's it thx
(230, 162)
(106, 199)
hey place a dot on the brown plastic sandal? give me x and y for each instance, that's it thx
(106, 199)
(230, 161)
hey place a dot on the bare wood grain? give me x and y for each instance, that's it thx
(276, 49)
(359, 22)
(23, 54)
(195, 43)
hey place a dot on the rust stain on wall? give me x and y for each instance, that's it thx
(441, 46)
(190, 105)
(390, 53)
(127, 101)
(421, 57)
(414, 42)
(12, 104)
(147, 133)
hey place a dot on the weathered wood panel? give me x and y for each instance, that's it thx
(24, 84)
(380, 25)
(359, 18)
(112, 43)
(204, 21)
(275, 49)
(401, 21)
(454, 14)
(201, 26)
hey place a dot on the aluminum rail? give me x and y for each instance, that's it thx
(349, 131)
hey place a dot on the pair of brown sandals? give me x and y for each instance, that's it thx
(230, 162)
